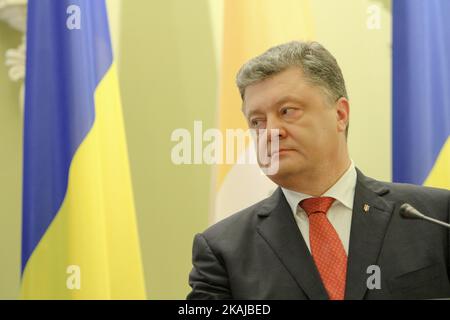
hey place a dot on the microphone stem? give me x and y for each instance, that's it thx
(436, 221)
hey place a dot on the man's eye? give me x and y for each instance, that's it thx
(287, 111)
(256, 123)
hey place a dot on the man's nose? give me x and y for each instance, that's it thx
(274, 129)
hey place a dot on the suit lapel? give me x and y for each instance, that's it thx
(370, 218)
(279, 229)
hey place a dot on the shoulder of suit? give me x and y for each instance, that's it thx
(383, 187)
(412, 188)
(424, 198)
(243, 220)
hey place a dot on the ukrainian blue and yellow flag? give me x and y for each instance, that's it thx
(421, 92)
(80, 237)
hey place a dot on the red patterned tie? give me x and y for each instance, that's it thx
(326, 247)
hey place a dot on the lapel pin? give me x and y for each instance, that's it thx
(366, 208)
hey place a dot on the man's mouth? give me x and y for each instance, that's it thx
(281, 151)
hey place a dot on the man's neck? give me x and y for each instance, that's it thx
(316, 183)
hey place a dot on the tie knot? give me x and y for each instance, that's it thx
(316, 205)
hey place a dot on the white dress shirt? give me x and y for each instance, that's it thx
(340, 212)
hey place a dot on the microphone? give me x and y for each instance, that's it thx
(409, 212)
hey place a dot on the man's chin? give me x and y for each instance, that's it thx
(281, 172)
(281, 168)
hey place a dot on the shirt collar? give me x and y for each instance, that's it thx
(343, 191)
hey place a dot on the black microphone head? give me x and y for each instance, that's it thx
(409, 212)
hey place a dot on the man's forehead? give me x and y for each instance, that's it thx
(284, 86)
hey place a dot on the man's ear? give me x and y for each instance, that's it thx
(342, 113)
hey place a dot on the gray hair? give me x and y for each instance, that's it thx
(317, 63)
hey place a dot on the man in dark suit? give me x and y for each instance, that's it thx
(328, 231)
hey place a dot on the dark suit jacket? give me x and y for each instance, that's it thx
(259, 253)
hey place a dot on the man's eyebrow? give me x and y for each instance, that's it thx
(248, 116)
(289, 98)
(282, 100)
